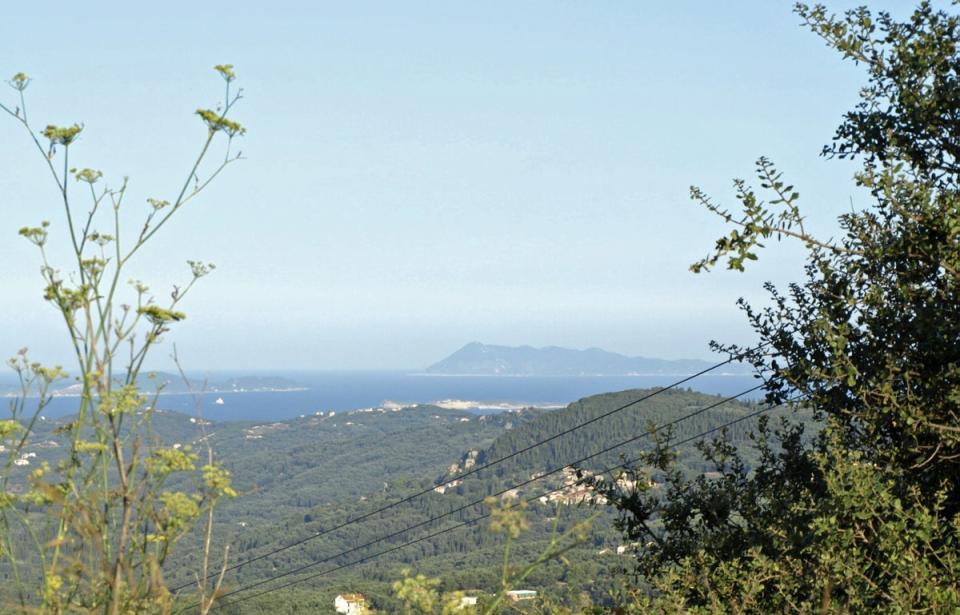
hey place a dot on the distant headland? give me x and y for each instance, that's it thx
(477, 359)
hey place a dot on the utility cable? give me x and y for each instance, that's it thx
(516, 486)
(459, 525)
(470, 472)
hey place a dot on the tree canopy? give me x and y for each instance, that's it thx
(863, 514)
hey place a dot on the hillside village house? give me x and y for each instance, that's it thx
(349, 604)
(517, 595)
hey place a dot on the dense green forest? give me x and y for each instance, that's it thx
(466, 558)
(298, 478)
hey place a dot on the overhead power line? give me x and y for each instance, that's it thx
(503, 491)
(470, 472)
(457, 526)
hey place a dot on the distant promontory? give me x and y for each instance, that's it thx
(166, 383)
(476, 359)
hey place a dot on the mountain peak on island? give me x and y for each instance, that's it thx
(478, 359)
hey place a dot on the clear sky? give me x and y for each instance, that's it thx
(420, 175)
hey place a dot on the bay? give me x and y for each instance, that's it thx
(324, 391)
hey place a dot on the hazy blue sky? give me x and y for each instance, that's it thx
(424, 174)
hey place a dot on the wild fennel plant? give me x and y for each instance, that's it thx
(91, 532)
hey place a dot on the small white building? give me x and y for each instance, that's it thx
(518, 595)
(466, 601)
(349, 604)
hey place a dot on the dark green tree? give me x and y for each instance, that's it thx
(864, 514)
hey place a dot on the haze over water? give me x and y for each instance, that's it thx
(348, 390)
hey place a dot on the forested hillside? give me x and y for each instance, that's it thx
(384, 457)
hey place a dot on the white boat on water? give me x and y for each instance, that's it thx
(219, 401)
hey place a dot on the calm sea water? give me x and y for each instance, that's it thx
(349, 390)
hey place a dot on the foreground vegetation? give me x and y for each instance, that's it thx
(92, 531)
(865, 516)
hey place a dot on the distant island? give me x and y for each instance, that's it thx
(476, 359)
(173, 384)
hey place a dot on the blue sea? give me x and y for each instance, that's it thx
(348, 390)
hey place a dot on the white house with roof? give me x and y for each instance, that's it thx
(349, 604)
(518, 595)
